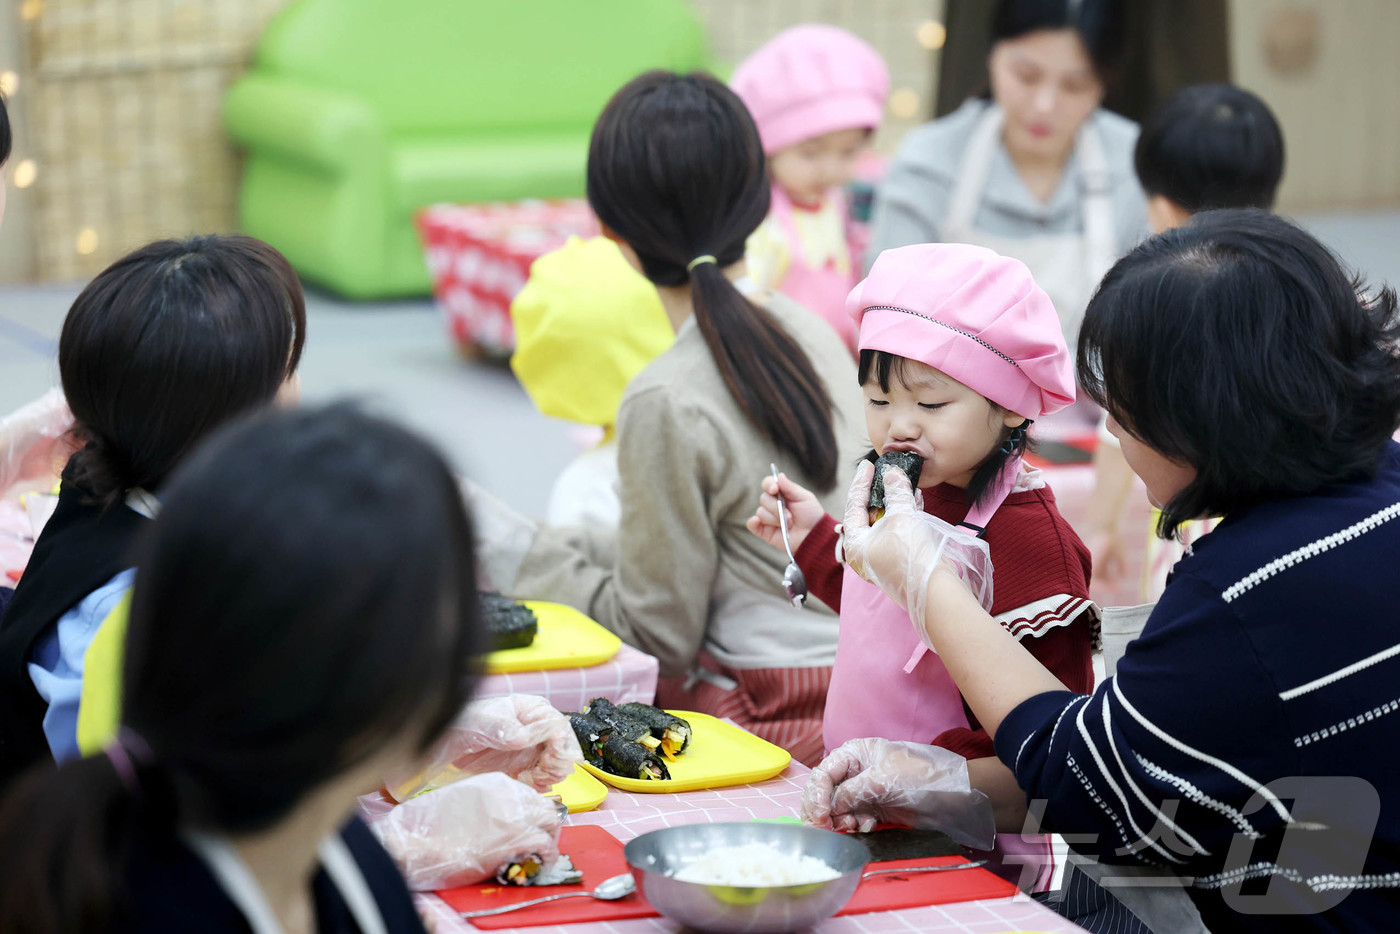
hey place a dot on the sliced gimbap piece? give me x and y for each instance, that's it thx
(633, 760)
(673, 732)
(592, 734)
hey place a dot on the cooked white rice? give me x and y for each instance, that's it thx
(755, 865)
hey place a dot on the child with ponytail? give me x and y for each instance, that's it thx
(676, 175)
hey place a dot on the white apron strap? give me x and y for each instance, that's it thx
(346, 876)
(142, 502)
(238, 883)
(973, 169)
(1100, 239)
(236, 879)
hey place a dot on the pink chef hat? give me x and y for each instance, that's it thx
(811, 80)
(972, 314)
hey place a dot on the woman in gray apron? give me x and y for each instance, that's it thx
(1035, 169)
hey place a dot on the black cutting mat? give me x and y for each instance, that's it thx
(899, 843)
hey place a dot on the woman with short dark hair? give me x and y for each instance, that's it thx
(1250, 731)
(162, 347)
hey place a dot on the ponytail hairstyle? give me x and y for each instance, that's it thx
(168, 343)
(305, 602)
(676, 169)
(6, 135)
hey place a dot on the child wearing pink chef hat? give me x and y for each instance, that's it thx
(816, 93)
(960, 351)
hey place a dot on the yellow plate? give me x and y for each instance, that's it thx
(567, 639)
(580, 791)
(720, 755)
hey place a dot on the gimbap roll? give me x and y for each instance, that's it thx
(907, 461)
(512, 625)
(633, 760)
(629, 728)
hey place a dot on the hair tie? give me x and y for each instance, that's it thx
(125, 750)
(1017, 441)
(700, 261)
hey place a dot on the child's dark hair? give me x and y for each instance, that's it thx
(1239, 345)
(676, 169)
(306, 599)
(168, 343)
(1211, 146)
(6, 137)
(1099, 23)
(883, 367)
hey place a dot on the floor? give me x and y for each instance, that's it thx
(396, 358)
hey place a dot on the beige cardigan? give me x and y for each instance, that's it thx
(682, 573)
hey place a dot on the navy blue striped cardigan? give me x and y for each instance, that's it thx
(1251, 735)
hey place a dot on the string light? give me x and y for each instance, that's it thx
(932, 34)
(87, 241)
(9, 83)
(904, 103)
(25, 173)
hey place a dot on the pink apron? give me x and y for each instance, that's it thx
(822, 290)
(886, 683)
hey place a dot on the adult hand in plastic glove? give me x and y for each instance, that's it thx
(521, 735)
(876, 781)
(900, 552)
(467, 831)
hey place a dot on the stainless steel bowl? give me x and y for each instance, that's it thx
(656, 856)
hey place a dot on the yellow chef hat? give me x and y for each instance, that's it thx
(585, 324)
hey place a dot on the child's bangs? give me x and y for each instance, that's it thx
(882, 366)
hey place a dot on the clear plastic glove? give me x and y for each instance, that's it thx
(876, 781)
(900, 552)
(520, 735)
(35, 442)
(466, 832)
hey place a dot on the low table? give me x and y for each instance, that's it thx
(627, 815)
(629, 676)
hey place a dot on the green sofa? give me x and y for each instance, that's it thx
(357, 113)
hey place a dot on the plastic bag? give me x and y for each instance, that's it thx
(466, 832)
(866, 782)
(520, 735)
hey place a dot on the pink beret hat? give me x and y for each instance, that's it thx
(811, 80)
(971, 314)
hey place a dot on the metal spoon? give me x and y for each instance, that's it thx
(609, 890)
(794, 583)
(948, 868)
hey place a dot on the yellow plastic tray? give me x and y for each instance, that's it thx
(567, 639)
(720, 755)
(580, 791)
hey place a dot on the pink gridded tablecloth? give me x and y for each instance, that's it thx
(627, 815)
(630, 676)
